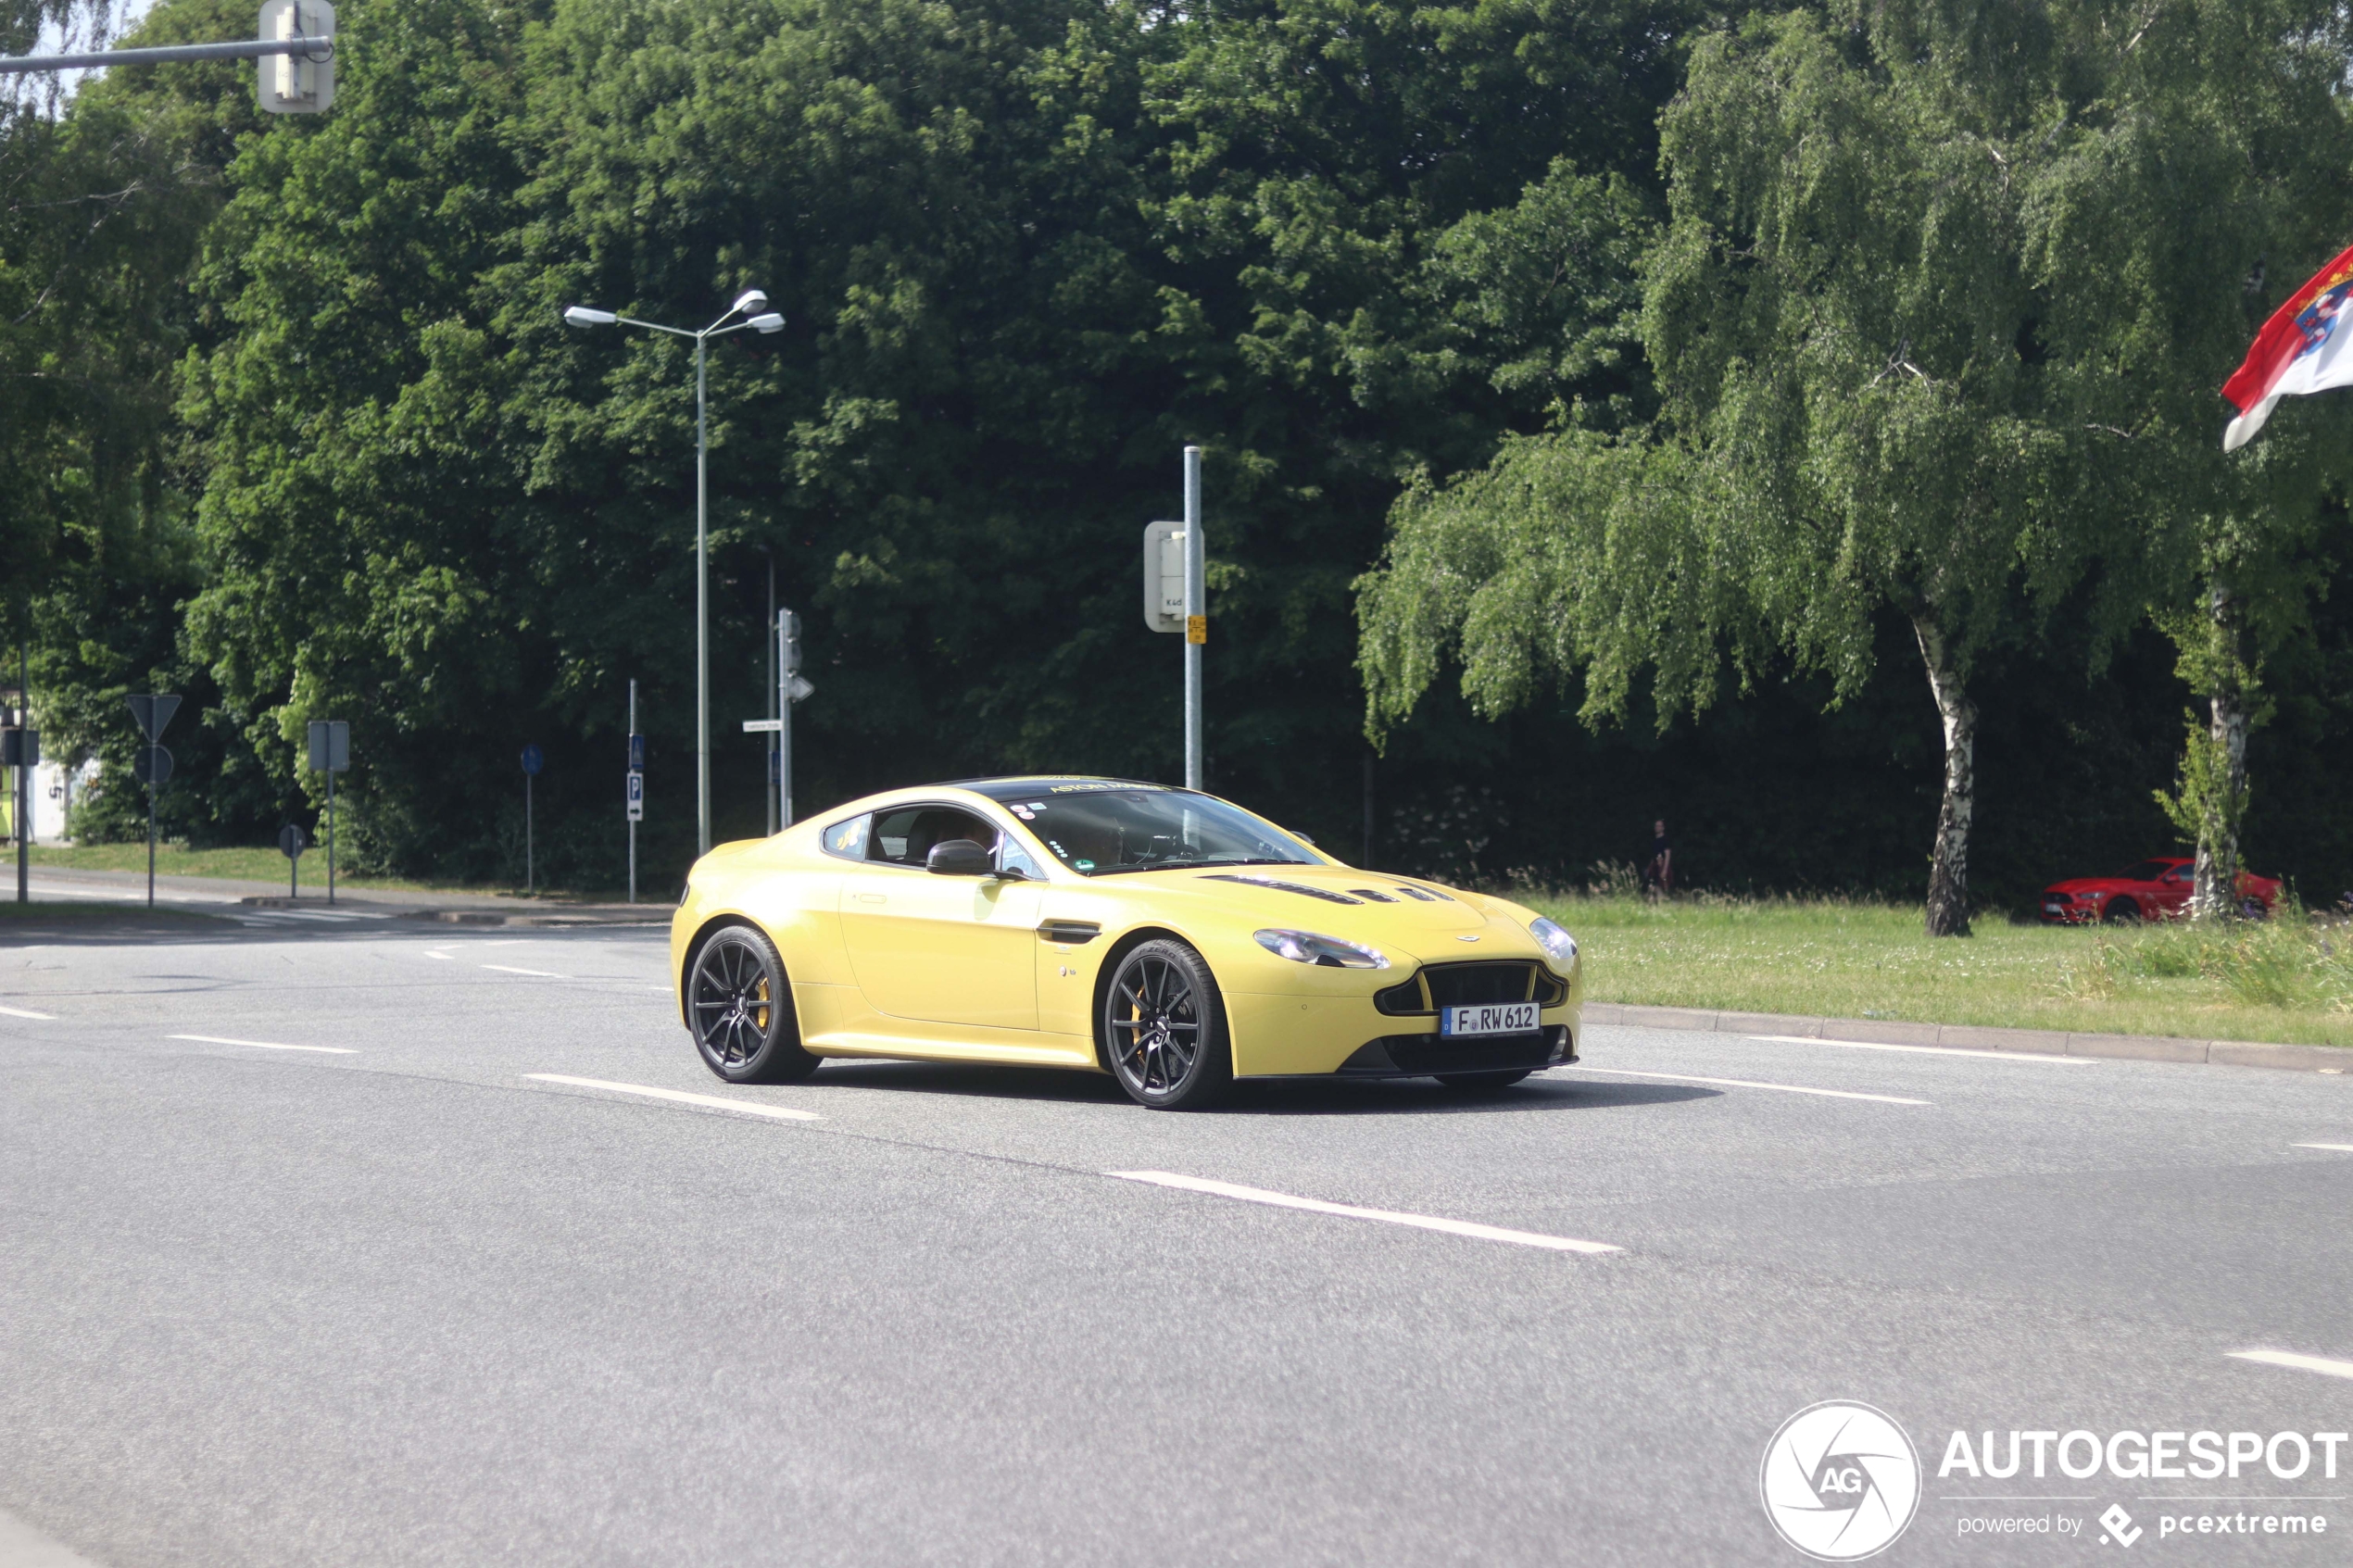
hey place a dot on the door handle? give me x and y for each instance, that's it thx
(870, 897)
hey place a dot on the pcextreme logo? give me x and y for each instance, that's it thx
(1841, 1481)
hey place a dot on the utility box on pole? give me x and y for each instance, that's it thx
(302, 81)
(1165, 576)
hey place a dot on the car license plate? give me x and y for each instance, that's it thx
(1496, 1018)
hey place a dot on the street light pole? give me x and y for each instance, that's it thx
(702, 607)
(749, 301)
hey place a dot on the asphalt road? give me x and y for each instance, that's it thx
(391, 1300)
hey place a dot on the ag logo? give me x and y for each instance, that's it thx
(1840, 1480)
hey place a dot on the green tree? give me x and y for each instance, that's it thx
(1912, 355)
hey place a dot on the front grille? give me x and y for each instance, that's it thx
(1469, 985)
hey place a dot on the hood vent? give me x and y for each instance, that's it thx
(1326, 894)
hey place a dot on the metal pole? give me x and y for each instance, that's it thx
(702, 615)
(318, 49)
(1196, 617)
(633, 821)
(784, 723)
(1366, 863)
(24, 775)
(530, 878)
(331, 826)
(775, 697)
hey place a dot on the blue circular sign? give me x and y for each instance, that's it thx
(532, 760)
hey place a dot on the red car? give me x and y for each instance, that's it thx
(2147, 891)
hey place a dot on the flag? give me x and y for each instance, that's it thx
(2300, 350)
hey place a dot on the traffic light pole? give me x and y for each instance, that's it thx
(24, 777)
(1196, 617)
(633, 821)
(786, 669)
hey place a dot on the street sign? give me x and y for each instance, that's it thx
(798, 689)
(152, 764)
(789, 643)
(637, 796)
(637, 754)
(152, 713)
(1165, 576)
(292, 842)
(303, 82)
(330, 746)
(532, 760)
(19, 748)
(762, 727)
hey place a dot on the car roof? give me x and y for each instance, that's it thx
(1014, 786)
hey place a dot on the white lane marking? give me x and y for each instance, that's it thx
(442, 957)
(748, 1107)
(536, 973)
(2321, 1364)
(1928, 1050)
(26, 1012)
(1752, 1084)
(2337, 1147)
(1349, 1211)
(264, 1045)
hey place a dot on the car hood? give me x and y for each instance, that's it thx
(1352, 905)
(2085, 884)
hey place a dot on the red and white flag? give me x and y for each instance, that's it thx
(2300, 350)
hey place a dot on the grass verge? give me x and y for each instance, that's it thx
(2289, 979)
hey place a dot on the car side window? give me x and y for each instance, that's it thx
(848, 839)
(905, 837)
(1011, 857)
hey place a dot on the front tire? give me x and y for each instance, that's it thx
(739, 1007)
(1164, 1028)
(2123, 911)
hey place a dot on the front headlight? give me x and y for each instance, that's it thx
(1305, 946)
(1554, 941)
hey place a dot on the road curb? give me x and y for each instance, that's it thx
(583, 918)
(1971, 1036)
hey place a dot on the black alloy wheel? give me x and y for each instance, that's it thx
(740, 1009)
(1164, 1028)
(2123, 912)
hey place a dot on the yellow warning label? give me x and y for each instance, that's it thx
(1197, 627)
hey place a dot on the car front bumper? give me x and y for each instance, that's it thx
(1278, 1036)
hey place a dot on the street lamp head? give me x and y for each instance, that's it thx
(772, 322)
(748, 302)
(581, 316)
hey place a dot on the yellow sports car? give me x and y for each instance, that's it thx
(1162, 935)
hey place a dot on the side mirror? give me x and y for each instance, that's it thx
(956, 856)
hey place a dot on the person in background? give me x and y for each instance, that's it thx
(1658, 877)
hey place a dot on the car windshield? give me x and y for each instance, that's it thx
(2146, 870)
(1100, 829)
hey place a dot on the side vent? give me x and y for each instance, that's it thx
(1079, 931)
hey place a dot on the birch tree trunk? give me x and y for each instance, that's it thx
(1948, 875)
(2214, 894)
